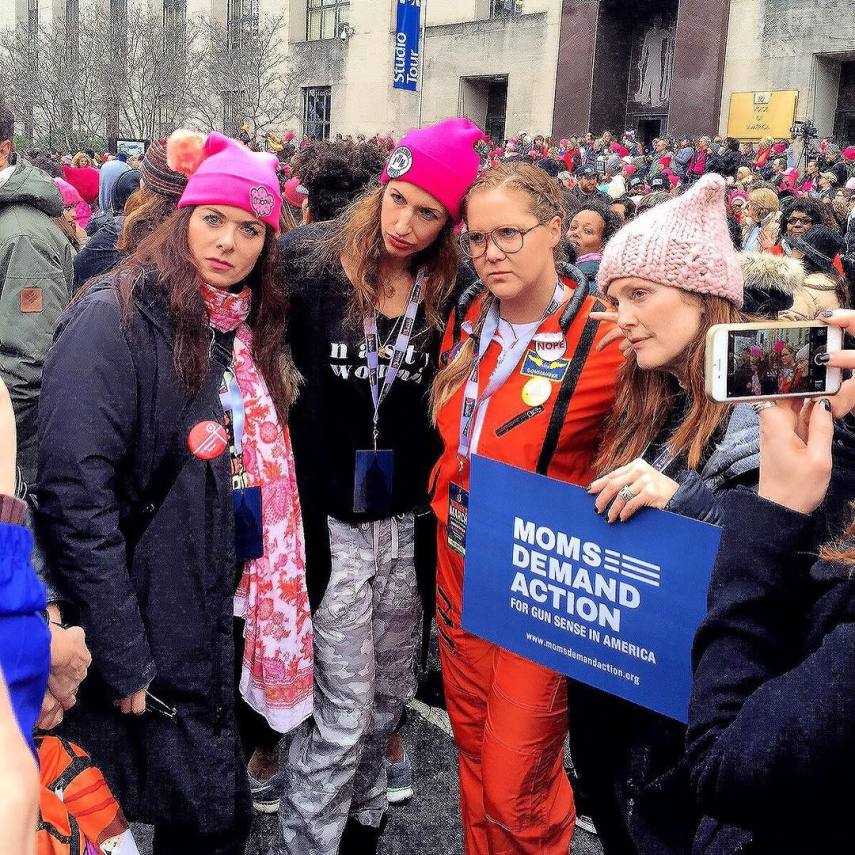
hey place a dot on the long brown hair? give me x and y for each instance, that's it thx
(545, 203)
(144, 211)
(646, 399)
(166, 251)
(358, 235)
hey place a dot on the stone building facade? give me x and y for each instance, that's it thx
(550, 66)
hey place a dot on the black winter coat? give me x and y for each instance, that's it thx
(100, 254)
(157, 606)
(771, 741)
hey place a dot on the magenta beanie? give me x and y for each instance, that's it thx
(223, 171)
(684, 243)
(71, 196)
(849, 152)
(440, 159)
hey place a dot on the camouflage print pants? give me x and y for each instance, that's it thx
(365, 637)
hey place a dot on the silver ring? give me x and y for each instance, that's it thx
(763, 405)
(626, 493)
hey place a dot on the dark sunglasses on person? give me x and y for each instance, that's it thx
(800, 221)
(509, 239)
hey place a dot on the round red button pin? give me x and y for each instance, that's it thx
(208, 440)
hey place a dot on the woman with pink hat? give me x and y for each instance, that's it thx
(75, 214)
(369, 293)
(169, 504)
(670, 275)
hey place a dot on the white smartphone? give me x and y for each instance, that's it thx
(771, 359)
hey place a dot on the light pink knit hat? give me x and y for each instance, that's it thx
(684, 242)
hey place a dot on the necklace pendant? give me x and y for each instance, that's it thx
(389, 291)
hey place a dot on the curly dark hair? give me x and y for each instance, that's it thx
(336, 173)
(611, 221)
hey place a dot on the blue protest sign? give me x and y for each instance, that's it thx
(614, 606)
(407, 32)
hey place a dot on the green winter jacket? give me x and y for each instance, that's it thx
(36, 277)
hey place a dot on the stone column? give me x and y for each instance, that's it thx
(698, 66)
(575, 73)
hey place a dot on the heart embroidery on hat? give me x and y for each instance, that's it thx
(261, 201)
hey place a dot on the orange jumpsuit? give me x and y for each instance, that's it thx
(508, 714)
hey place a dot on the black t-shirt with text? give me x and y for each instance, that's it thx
(333, 416)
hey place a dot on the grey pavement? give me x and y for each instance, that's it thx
(429, 824)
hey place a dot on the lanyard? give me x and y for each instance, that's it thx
(503, 370)
(233, 401)
(372, 354)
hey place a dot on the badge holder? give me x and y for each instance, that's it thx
(249, 534)
(372, 480)
(458, 516)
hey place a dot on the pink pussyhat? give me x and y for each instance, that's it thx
(222, 171)
(684, 242)
(440, 159)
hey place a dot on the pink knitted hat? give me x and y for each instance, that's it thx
(222, 171)
(684, 243)
(440, 159)
(849, 152)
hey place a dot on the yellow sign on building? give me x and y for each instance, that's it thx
(762, 114)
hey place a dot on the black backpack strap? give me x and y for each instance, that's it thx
(462, 306)
(568, 385)
(162, 479)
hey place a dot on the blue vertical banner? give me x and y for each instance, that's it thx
(613, 606)
(407, 34)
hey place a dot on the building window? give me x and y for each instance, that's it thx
(317, 106)
(242, 22)
(505, 8)
(324, 18)
(232, 112)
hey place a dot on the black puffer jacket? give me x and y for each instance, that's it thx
(156, 606)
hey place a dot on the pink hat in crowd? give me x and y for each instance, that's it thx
(222, 171)
(849, 152)
(779, 148)
(684, 243)
(440, 159)
(71, 196)
(629, 169)
(294, 192)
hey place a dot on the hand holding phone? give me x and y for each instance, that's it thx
(774, 359)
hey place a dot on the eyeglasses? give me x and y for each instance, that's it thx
(800, 221)
(508, 239)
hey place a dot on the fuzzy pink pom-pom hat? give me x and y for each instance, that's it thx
(223, 171)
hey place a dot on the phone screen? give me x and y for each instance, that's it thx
(775, 361)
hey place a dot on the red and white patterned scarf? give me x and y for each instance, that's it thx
(276, 674)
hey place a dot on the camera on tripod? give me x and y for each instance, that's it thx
(805, 130)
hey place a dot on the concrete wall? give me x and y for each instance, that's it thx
(459, 43)
(789, 44)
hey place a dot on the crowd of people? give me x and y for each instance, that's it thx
(240, 391)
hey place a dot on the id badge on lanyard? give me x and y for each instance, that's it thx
(458, 496)
(374, 469)
(249, 531)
